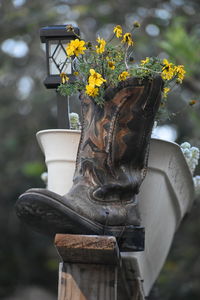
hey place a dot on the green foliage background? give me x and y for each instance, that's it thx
(27, 258)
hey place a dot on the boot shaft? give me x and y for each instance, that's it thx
(118, 133)
(113, 150)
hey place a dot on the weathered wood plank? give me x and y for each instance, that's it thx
(89, 267)
(92, 270)
(129, 282)
(87, 249)
(87, 282)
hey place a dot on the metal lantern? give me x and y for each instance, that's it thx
(56, 38)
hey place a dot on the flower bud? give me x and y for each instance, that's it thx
(70, 27)
(192, 102)
(131, 59)
(136, 24)
(178, 81)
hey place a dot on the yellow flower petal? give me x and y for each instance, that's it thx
(127, 38)
(165, 92)
(75, 47)
(95, 79)
(101, 47)
(111, 65)
(64, 77)
(136, 24)
(145, 61)
(168, 70)
(118, 31)
(180, 71)
(91, 91)
(123, 75)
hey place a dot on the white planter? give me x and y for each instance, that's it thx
(165, 196)
(60, 149)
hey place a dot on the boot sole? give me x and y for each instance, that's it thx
(48, 215)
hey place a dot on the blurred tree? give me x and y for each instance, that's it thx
(169, 28)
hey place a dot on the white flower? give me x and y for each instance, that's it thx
(155, 124)
(44, 177)
(187, 153)
(192, 166)
(195, 161)
(74, 115)
(196, 180)
(74, 121)
(195, 152)
(191, 154)
(185, 145)
(153, 134)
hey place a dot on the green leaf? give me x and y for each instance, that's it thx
(33, 169)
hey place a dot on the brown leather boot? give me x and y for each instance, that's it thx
(111, 165)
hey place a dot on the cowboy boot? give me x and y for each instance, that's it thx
(111, 165)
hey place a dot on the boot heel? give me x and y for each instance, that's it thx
(129, 238)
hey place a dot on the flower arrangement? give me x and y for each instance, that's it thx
(104, 64)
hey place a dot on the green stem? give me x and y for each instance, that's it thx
(143, 68)
(125, 58)
(111, 39)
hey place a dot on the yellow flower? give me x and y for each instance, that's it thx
(111, 65)
(64, 77)
(178, 81)
(75, 47)
(145, 61)
(69, 27)
(127, 38)
(136, 24)
(166, 62)
(168, 70)
(192, 102)
(167, 74)
(123, 75)
(76, 73)
(179, 70)
(165, 92)
(95, 79)
(101, 47)
(118, 31)
(91, 90)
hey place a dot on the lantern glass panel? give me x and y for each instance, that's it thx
(58, 61)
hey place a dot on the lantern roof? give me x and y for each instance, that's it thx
(58, 32)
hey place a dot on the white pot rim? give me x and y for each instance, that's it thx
(58, 131)
(78, 132)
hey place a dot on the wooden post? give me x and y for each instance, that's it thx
(92, 269)
(62, 112)
(89, 267)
